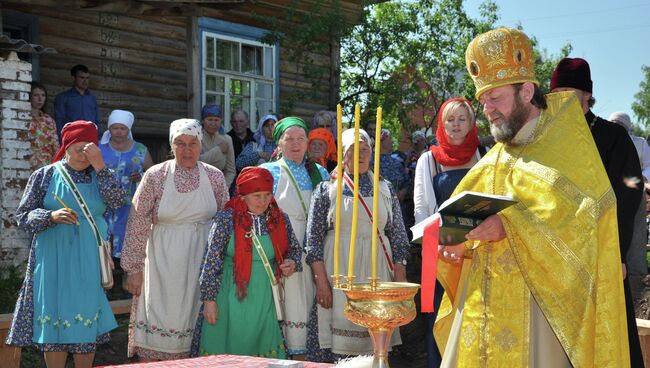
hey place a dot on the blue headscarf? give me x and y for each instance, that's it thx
(211, 110)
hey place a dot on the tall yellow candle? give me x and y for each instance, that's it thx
(375, 195)
(355, 198)
(339, 191)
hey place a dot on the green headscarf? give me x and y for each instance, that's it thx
(286, 123)
(279, 129)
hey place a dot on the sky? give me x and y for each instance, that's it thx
(613, 36)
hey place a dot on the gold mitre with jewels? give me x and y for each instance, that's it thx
(499, 57)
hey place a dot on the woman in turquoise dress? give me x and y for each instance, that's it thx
(236, 290)
(62, 307)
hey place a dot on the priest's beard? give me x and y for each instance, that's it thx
(511, 125)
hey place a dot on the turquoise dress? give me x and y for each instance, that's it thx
(124, 164)
(70, 306)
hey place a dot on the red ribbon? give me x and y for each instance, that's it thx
(429, 265)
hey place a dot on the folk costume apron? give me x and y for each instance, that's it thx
(334, 330)
(299, 287)
(169, 304)
(70, 306)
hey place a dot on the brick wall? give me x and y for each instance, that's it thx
(15, 115)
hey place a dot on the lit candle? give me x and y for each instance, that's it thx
(339, 191)
(355, 197)
(375, 195)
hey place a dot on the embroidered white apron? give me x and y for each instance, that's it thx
(334, 330)
(169, 304)
(299, 287)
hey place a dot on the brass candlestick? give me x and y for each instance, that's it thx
(380, 309)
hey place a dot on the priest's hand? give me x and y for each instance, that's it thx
(452, 253)
(491, 229)
(210, 311)
(288, 267)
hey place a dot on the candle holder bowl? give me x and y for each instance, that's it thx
(380, 310)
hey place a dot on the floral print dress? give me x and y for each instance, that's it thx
(45, 143)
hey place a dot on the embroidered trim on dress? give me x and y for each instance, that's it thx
(156, 330)
(350, 333)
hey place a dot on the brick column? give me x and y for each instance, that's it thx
(15, 149)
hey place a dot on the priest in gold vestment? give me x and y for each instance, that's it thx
(539, 284)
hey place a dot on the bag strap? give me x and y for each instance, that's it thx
(80, 199)
(265, 260)
(284, 166)
(350, 185)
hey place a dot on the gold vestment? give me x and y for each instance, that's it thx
(561, 248)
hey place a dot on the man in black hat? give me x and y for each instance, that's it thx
(622, 166)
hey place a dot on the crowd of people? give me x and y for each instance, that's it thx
(227, 248)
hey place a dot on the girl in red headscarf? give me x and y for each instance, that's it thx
(437, 173)
(235, 280)
(62, 307)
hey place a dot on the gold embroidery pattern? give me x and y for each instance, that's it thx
(486, 289)
(506, 339)
(469, 336)
(535, 225)
(507, 262)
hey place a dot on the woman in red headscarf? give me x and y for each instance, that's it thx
(321, 148)
(251, 244)
(437, 173)
(62, 308)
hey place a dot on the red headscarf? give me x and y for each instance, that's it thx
(253, 180)
(326, 136)
(77, 131)
(454, 155)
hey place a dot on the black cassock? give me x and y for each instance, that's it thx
(622, 164)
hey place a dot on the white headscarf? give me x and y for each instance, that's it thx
(118, 117)
(185, 126)
(347, 138)
(622, 119)
(259, 134)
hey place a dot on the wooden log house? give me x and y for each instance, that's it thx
(162, 60)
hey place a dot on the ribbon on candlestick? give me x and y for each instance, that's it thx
(429, 264)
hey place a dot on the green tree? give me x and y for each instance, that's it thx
(641, 106)
(409, 57)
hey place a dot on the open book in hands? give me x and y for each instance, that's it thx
(462, 213)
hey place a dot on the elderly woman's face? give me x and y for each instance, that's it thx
(76, 156)
(293, 144)
(187, 149)
(457, 125)
(317, 149)
(258, 202)
(119, 132)
(211, 124)
(364, 158)
(267, 129)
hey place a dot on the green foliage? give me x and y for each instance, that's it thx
(11, 279)
(409, 57)
(641, 106)
(306, 30)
